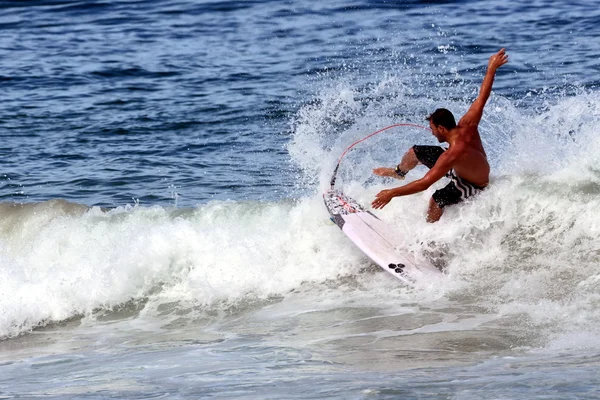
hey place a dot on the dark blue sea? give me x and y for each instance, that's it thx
(162, 229)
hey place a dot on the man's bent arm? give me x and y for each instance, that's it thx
(431, 177)
(437, 172)
(473, 116)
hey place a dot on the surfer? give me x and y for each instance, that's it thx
(464, 162)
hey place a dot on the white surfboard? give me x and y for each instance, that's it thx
(376, 239)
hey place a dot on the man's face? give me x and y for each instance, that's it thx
(438, 132)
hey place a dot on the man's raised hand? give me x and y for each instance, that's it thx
(498, 59)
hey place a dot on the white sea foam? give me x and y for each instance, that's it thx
(57, 264)
(525, 249)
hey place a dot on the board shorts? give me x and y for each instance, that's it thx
(457, 190)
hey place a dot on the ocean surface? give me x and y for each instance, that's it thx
(162, 230)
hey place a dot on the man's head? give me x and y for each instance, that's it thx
(441, 121)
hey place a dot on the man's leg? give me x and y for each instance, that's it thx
(427, 155)
(409, 161)
(434, 212)
(441, 198)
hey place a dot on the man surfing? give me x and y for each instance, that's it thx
(464, 162)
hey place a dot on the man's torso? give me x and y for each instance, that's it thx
(472, 163)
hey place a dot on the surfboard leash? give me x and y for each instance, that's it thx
(334, 176)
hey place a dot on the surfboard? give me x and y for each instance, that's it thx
(376, 239)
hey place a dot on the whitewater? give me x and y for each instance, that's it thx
(523, 250)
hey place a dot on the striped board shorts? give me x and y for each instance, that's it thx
(457, 190)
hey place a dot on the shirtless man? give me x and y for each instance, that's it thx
(465, 161)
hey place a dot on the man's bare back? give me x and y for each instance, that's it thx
(464, 162)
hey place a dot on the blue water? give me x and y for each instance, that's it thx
(162, 232)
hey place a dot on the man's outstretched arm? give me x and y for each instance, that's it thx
(437, 172)
(473, 116)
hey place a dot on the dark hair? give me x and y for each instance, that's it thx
(443, 117)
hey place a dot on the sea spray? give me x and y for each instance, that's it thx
(524, 248)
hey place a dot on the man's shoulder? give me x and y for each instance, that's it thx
(466, 133)
(458, 146)
(467, 125)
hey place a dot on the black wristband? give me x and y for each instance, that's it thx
(400, 173)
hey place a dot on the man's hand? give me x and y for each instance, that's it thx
(389, 172)
(382, 198)
(498, 60)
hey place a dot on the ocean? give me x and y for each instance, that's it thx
(162, 228)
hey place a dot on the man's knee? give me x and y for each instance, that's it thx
(427, 155)
(411, 156)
